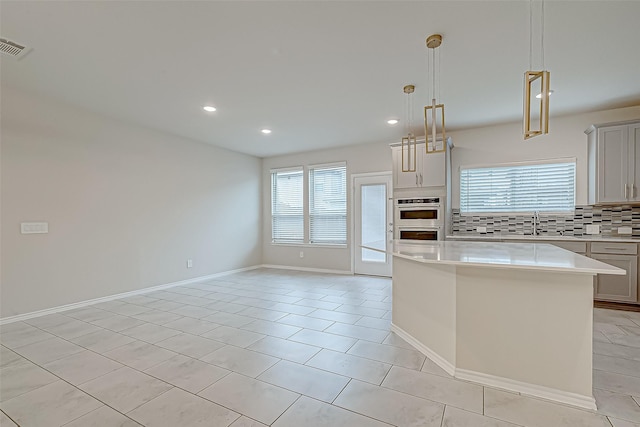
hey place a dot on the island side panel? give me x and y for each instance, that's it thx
(531, 326)
(424, 307)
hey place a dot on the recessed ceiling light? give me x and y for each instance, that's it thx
(266, 131)
(209, 108)
(540, 95)
(392, 122)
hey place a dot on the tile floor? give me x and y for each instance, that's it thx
(273, 347)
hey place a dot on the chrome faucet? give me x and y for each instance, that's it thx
(536, 220)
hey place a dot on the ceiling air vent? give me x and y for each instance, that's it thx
(8, 47)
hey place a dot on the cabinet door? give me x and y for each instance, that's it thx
(432, 170)
(634, 161)
(404, 179)
(617, 288)
(613, 152)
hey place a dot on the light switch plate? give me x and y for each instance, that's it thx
(625, 230)
(34, 227)
(593, 229)
(481, 229)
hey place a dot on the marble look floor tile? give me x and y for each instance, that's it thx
(128, 309)
(292, 308)
(530, 412)
(356, 367)
(15, 327)
(617, 405)
(49, 320)
(72, 329)
(323, 339)
(190, 345)
(82, 367)
(344, 300)
(306, 322)
(187, 373)
(57, 404)
(10, 358)
(247, 422)
(386, 306)
(313, 413)
(102, 341)
(19, 379)
(372, 322)
(364, 311)
(389, 406)
(616, 350)
(616, 382)
(624, 339)
(143, 300)
(358, 332)
(430, 367)
(164, 305)
(285, 349)
(6, 421)
(150, 333)
(315, 303)
(255, 399)
(118, 323)
(109, 305)
(27, 334)
(312, 382)
(229, 319)
(622, 423)
(233, 336)
(103, 417)
(395, 340)
(606, 327)
(192, 326)
(631, 330)
(125, 388)
(600, 337)
(454, 417)
(335, 316)
(453, 392)
(48, 350)
(88, 314)
(406, 358)
(140, 355)
(617, 365)
(271, 328)
(179, 408)
(227, 307)
(246, 362)
(262, 313)
(157, 317)
(193, 311)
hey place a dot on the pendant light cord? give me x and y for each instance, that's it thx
(530, 35)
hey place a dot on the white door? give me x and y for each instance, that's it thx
(373, 223)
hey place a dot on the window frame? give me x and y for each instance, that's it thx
(272, 173)
(519, 164)
(310, 193)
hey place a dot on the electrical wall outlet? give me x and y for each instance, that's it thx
(593, 229)
(481, 229)
(625, 230)
(34, 227)
(189, 263)
(301, 254)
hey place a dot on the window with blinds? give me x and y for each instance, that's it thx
(328, 204)
(542, 187)
(287, 216)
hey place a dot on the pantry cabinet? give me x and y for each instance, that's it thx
(614, 163)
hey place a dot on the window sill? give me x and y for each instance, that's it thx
(311, 245)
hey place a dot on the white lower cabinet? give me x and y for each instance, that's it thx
(617, 288)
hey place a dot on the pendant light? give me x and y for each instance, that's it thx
(536, 87)
(434, 113)
(409, 142)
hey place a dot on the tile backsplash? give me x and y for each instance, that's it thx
(609, 218)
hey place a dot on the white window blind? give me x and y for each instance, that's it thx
(328, 204)
(287, 216)
(543, 187)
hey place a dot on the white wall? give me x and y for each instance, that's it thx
(504, 143)
(360, 159)
(126, 206)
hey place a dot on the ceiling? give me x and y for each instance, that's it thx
(318, 73)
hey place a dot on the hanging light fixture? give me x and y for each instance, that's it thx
(434, 113)
(409, 143)
(536, 87)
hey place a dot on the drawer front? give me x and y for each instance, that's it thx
(577, 247)
(614, 248)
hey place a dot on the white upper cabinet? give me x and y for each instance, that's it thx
(430, 169)
(614, 163)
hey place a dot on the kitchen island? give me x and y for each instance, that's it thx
(516, 316)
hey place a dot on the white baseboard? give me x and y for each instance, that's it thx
(534, 390)
(20, 317)
(435, 357)
(311, 270)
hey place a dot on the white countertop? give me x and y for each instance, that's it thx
(586, 238)
(526, 256)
